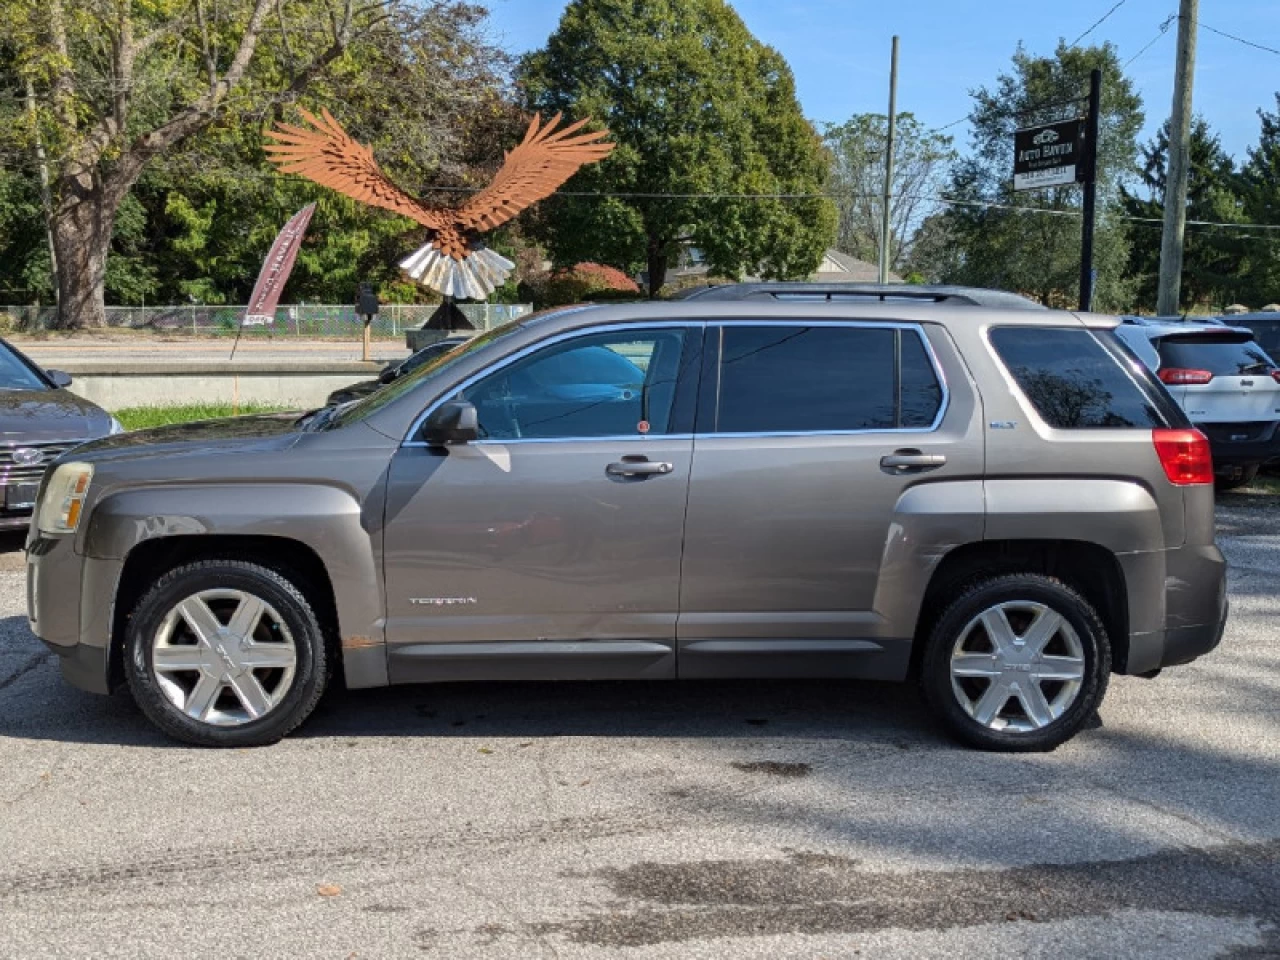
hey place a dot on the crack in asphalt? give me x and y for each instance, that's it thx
(823, 894)
(42, 656)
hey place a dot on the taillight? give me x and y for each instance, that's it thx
(1275, 375)
(1185, 456)
(1180, 377)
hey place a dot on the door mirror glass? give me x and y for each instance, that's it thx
(59, 378)
(451, 423)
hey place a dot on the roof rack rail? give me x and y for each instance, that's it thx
(801, 291)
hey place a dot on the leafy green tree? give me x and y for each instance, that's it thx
(1211, 257)
(1038, 253)
(922, 159)
(697, 106)
(1260, 191)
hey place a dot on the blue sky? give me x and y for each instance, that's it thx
(839, 50)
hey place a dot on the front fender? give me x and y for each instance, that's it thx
(327, 519)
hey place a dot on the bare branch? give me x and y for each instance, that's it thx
(210, 64)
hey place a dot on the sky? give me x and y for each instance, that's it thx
(839, 51)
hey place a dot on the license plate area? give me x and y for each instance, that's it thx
(20, 496)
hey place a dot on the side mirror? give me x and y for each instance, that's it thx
(59, 378)
(452, 423)
(389, 373)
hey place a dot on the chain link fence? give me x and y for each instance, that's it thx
(303, 320)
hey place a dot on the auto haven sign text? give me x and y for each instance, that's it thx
(1047, 155)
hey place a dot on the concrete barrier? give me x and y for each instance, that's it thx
(116, 385)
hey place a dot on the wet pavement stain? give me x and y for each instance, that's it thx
(817, 893)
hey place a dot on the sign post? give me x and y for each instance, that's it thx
(1089, 176)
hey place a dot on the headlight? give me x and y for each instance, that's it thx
(116, 427)
(63, 500)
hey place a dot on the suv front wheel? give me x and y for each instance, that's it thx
(224, 653)
(1016, 663)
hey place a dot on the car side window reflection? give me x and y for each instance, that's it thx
(613, 384)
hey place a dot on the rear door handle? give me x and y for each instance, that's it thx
(638, 467)
(911, 461)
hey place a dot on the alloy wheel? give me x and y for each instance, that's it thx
(1017, 666)
(224, 657)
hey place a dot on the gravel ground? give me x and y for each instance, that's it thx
(654, 820)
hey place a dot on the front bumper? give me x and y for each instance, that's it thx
(70, 605)
(1242, 444)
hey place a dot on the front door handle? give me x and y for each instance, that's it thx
(638, 467)
(911, 461)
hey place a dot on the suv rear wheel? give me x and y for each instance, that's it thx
(224, 653)
(1016, 663)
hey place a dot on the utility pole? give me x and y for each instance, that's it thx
(1175, 186)
(46, 197)
(886, 240)
(1092, 124)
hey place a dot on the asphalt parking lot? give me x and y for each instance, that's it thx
(654, 820)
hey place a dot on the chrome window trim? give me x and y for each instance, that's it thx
(944, 404)
(533, 348)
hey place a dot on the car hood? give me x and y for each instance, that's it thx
(49, 416)
(242, 434)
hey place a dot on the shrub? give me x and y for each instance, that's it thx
(576, 284)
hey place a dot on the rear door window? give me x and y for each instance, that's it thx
(1223, 355)
(793, 378)
(1076, 382)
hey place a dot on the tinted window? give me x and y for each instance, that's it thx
(603, 385)
(921, 392)
(794, 379)
(1072, 380)
(1221, 355)
(1268, 335)
(16, 375)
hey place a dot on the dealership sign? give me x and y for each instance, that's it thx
(1048, 155)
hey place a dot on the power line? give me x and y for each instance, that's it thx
(1232, 36)
(1164, 28)
(1097, 23)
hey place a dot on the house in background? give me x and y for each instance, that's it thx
(835, 267)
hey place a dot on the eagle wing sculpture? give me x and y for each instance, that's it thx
(454, 261)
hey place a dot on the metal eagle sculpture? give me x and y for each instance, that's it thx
(454, 262)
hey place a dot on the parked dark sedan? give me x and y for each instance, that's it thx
(39, 420)
(396, 370)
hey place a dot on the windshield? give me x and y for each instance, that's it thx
(15, 374)
(353, 412)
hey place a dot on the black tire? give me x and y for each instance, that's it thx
(311, 669)
(936, 679)
(1241, 477)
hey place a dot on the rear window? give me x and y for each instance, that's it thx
(1074, 381)
(1268, 337)
(1220, 354)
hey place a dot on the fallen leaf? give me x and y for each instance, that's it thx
(329, 890)
(485, 750)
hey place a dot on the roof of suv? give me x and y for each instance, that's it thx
(803, 291)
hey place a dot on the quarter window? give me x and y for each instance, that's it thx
(804, 379)
(1072, 380)
(602, 385)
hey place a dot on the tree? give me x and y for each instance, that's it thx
(1034, 252)
(1260, 192)
(920, 164)
(698, 107)
(123, 81)
(1211, 258)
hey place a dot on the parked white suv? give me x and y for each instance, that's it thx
(1225, 382)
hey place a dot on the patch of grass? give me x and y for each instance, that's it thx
(139, 418)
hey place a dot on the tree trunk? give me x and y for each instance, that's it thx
(82, 227)
(657, 267)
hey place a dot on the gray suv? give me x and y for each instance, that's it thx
(1003, 505)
